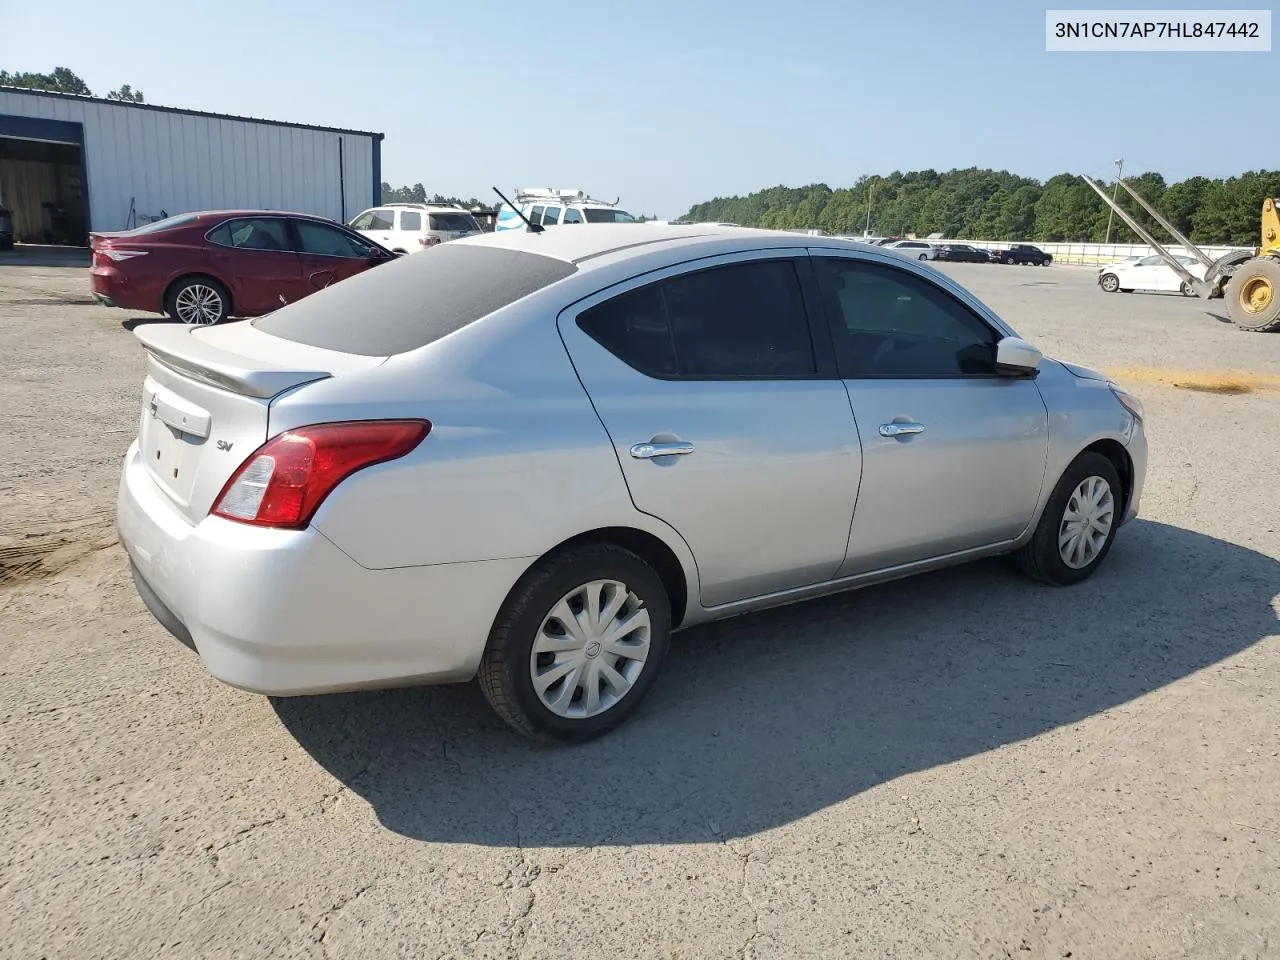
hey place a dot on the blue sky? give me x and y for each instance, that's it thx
(668, 103)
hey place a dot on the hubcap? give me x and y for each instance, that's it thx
(1256, 294)
(1086, 523)
(198, 305)
(590, 649)
(1109, 283)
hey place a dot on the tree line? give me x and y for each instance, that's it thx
(62, 80)
(981, 204)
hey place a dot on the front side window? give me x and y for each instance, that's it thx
(381, 220)
(535, 215)
(253, 233)
(363, 222)
(744, 320)
(887, 322)
(410, 220)
(325, 241)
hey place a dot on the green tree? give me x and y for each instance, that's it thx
(61, 80)
(126, 94)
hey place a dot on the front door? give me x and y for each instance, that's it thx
(328, 254)
(725, 424)
(954, 454)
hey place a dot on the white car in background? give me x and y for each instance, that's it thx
(915, 249)
(408, 227)
(1149, 273)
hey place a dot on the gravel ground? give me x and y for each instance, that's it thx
(961, 765)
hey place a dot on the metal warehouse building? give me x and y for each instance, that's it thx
(71, 164)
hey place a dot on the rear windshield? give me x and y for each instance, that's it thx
(603, 215)
(413, 301)
(453, 221)
(155, 226)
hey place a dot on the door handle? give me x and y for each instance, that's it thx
(900, 429)
(647, 451)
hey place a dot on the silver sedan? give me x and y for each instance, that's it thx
(528, 458)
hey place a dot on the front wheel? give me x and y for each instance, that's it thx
(1110, 283)
(577, 644)
(1187, 290)
(1078, 525)
(198, 302)
(924, 256)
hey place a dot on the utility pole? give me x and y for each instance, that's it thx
(1115, 191)
(867, 231)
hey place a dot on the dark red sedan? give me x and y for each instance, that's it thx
(201, 268)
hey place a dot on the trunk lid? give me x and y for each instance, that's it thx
(206, 402)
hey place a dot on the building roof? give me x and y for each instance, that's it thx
(190, 113)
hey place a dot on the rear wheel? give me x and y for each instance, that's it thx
(198, 301)
(1253, 295)
(1109, 282)
(577, 644)
(1078, 525)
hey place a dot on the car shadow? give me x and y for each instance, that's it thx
(761, 720)
(133, 323)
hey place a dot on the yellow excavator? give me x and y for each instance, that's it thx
(1249, 281)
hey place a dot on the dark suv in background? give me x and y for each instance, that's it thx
(1024, 253)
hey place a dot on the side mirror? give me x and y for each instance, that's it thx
(1017, 358)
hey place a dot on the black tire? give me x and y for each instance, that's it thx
(924, 256)
(1109, 282)
(175, 309)
(1186, 289)
(1040, 558)
(1265, 319)
(505, 669)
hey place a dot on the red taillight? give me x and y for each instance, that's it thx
(284, 481)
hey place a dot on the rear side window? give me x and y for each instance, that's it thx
(410, 220)
(745, 320)
(572, 216)
(411, 302)
(552, 216)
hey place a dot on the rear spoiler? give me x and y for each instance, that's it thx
(176, 348)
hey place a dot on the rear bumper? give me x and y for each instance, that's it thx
(111, 288)
(286, 612)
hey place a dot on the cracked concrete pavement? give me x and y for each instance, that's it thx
(962, 765)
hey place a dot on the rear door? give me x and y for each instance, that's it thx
(328, 254)
(954, 455)
(726, 416)
(255, 257)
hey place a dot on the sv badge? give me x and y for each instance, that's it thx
(224, 444)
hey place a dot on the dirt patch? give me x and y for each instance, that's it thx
(41, 553)
(1228, 382)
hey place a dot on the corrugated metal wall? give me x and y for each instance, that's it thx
(175, 162)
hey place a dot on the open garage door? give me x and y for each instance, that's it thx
(42, 182)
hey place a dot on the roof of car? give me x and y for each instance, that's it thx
(594, 242)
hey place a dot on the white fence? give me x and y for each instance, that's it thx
(1097, 253)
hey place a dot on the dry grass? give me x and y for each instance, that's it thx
(1202, 381)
